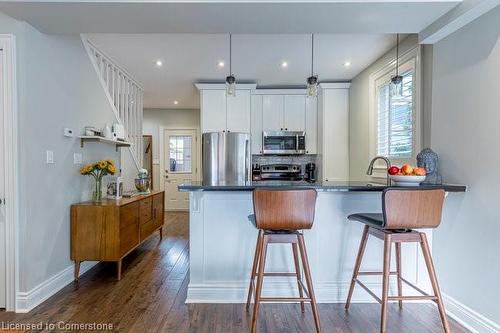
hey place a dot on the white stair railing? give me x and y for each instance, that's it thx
(125, 95)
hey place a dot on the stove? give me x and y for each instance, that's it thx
(277, 172)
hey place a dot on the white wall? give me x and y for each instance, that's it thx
(465, 133)
(57, 88)
(168, 118)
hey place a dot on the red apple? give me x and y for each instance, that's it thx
(393, 170)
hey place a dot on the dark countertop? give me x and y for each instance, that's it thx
(347, 186)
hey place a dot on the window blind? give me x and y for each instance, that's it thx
(395, 119)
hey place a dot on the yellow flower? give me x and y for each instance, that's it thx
(102, 164)
(111, 169)
(86, 169)
(110, 162)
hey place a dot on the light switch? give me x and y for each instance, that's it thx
(77, 158)
(50, 157)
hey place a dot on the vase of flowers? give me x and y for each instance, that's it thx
(98, 170)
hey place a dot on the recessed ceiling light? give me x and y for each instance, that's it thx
(284, 64)
(347, 64)
(159, 63)
(176, 102)
(220, 64)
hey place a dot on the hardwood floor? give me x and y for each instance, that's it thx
(150, 298)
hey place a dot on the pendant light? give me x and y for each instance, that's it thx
(230, 80)
(312, 81)
(397, 80)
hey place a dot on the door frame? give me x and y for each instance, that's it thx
(162, 151)
(10, 130)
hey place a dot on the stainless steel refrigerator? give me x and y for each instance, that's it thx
(226, 158)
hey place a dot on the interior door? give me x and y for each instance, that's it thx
(180, 166)
(2, 192)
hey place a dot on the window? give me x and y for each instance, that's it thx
(180, 153)
(395, 119)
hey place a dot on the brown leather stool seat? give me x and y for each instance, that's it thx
(403, 210)
(280, 215)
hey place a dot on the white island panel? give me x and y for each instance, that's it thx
(222, 245)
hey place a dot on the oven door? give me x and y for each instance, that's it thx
(283, 143)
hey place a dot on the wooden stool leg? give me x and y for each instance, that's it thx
(297, 271)
(385, 284)
(307, 273)
(357, 265)
(260, 278)
(398, 272)
(435, 286)
(161, 233)
(254, 269)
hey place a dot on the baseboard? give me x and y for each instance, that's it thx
(326, 292)
(27, 301)
(469, 318)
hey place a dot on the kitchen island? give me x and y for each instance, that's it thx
(222, 242)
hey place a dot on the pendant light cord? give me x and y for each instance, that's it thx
(397, 54)
(312, 54)
(230, 54)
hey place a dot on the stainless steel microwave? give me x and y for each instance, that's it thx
(284, 143)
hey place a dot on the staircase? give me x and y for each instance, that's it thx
(125, 95)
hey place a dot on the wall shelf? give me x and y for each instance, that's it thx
(99, 139)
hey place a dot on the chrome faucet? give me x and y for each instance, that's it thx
(369, 172)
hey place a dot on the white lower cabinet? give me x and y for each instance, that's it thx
(333, 131)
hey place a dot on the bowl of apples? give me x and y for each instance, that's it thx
(406, 175)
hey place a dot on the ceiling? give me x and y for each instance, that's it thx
(220, 16)
(191, 36)
(190, 58)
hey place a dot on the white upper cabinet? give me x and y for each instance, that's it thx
(225, 113)
(334, 131)
(295, 113)
(272, 112)
(256, 124)
(311, 125)
(238, 112)
(213, 110)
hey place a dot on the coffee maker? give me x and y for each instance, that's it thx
(310, 174)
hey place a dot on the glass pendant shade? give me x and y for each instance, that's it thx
(230, 85)
(312, 86)
(397, 86)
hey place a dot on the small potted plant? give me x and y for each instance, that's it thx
(98, 170)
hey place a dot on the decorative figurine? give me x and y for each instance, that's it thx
(429, 160)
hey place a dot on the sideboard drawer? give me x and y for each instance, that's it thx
(129, 215)
(146, 210)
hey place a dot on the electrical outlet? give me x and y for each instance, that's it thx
(50, 157)
(77, 158)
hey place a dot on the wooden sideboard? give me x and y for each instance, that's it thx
(108, 230)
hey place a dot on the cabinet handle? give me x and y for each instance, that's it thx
(286, 129)
(281, 129)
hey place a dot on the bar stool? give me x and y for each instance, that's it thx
(279, 215)
(402, 211)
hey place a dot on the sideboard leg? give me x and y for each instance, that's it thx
(119, 269)
(77, 270)
(161, 233)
